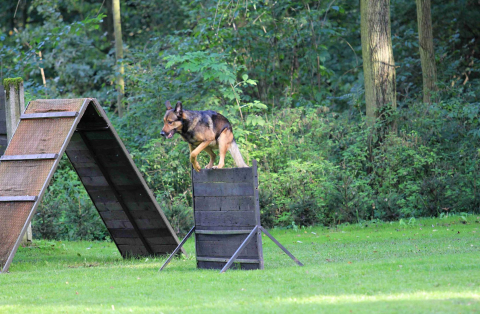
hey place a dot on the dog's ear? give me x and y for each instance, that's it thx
(167, 104)
(178, 108)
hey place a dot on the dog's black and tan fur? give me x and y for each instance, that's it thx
(202, 130)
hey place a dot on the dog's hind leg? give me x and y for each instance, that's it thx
(224, 141)
(212, 157)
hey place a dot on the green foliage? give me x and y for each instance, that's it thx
(288, 75)
(67, 213)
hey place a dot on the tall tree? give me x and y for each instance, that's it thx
(108, 22)
(378, 63)
(427, 52)
(119, 69)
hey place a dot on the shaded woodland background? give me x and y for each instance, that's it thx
(289, 75)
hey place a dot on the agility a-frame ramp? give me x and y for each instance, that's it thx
(81, 129)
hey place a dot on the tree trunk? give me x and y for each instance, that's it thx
(378, 63)
(119, 69)
(108, 22)
(427, 53)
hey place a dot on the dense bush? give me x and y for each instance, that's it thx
(288, 75)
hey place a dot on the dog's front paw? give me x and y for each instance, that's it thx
(196, 166)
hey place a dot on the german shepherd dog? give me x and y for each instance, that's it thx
(202, 130)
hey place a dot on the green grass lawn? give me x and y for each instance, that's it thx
(429, 266)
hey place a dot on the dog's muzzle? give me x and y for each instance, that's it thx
(168, 135)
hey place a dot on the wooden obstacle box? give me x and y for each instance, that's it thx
(227, 220)
(81, 129)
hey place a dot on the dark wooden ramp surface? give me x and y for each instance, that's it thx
(81, 128)
(226, 211)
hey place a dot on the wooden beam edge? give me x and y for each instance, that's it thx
(46, 115)
(28, 157)
(26, 198)
(225, 260)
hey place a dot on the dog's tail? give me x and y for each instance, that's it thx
(237, 156)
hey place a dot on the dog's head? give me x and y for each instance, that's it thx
(172, 120)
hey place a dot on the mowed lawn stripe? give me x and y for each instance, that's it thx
(430, 266)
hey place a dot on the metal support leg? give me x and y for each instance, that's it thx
(178, 248)
(281, 246)
(239, 250)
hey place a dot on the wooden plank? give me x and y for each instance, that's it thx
(149, 223)
(227, 175)
(124, 233)
(89, 171)
(100, 135)
(121, 176)
(113, 215)
(128, 241)
(134, 193)
(225, 260)
(92, 128)
(230, 203)
(162, 240)
(47, 115)
(222, 231)
(225, 219)
(224, 245)
(29, 157)
(211, 265)
(118, 224)
(112, 206)
(141, 206)
(141, 223)
(99, 181)
(224, 189)
(76, 143)
(212, 228)
(80, 156)
(132, 250)
(226, 249)
(136, 214)
(18, 198)
(147, 233)
(112, 160)
(257, 213)
(109, 143)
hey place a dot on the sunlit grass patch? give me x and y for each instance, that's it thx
(431, 266)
